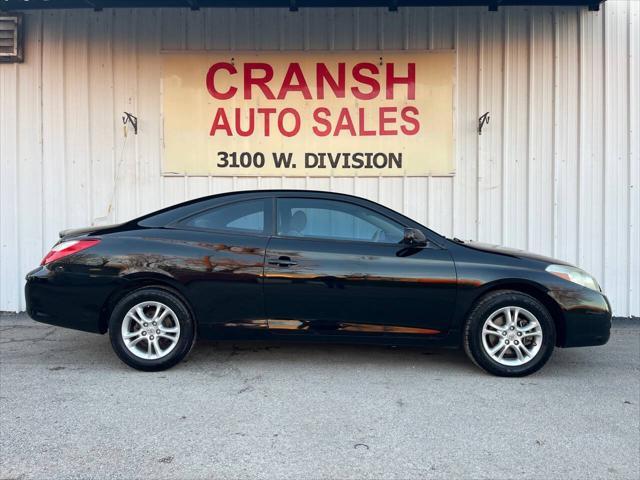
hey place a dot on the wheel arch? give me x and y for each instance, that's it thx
(136, 283)
(533, 289)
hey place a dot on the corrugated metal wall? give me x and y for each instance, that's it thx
(557, 171)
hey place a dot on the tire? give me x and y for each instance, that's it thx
(514, 350)
(133, 317)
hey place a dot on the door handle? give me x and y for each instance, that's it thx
(282, 261)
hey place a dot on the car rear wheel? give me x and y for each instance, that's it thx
(151, 329)
(509, 333)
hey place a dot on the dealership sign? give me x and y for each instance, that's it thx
(308, 113)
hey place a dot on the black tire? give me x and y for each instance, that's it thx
(185, 340)
(489, 304)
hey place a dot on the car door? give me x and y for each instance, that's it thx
(224, 268)
(334, 266)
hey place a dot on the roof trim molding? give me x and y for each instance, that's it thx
(292, 5)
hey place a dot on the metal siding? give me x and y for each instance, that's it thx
(590, 185)
(557, 171)
(76, 156)
(29, 158)
(540, 134)
(102, 133)
(9, 177)
(634, 158)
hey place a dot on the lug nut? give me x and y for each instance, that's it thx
(144, 333)
(504, 333)
(506, 342)
(519, 334)
(158, 332)
(512, 328)
(155, 323)
(151, 337)
(516, 342)
(145, 324)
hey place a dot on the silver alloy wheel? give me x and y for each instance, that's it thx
(512, 336)
(150, 330)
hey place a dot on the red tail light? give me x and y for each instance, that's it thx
(64, 249)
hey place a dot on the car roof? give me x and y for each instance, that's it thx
(208, 201)
(275, 191)
(181, 210)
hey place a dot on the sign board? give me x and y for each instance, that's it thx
(308, 113)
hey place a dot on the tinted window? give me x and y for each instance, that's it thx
(308, 217)
(245, 216)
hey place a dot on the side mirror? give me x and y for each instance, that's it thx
(415, 237)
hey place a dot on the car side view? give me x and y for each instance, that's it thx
(314, 266)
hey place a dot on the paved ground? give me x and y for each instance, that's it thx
(70, 409)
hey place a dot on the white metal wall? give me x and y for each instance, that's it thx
(557, 171)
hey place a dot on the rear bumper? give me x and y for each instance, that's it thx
(67, 299)
(587, 317)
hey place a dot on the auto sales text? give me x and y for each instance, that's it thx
(364, 82)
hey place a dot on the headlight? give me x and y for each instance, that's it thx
(574, 275)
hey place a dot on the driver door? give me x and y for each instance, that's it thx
(338, 266)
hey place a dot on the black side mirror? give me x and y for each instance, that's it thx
(415, 237)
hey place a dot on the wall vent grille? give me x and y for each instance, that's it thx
(11, 38)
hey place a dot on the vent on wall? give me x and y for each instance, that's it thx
(11, 38)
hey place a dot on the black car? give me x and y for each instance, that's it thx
(319, 266)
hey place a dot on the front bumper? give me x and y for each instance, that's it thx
(67, 299)
(587, 317)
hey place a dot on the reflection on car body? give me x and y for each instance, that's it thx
(310, 265)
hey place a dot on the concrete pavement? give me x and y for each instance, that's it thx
(70, 409)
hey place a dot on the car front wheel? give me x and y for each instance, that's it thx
(509, 333)
(151, 329)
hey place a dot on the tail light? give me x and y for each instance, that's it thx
(64, 249)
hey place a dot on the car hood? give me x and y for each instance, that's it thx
(513, 252)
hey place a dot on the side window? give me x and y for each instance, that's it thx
(330, 219)
(247, 216)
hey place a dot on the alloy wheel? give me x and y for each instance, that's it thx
(150, 330)
(512, 336)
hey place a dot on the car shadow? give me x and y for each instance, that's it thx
(57, 349)
(282, 353)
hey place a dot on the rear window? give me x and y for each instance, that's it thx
(244, 216)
